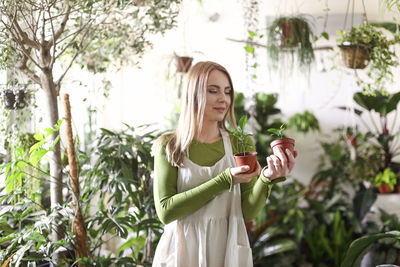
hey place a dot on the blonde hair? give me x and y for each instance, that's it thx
(190, 120)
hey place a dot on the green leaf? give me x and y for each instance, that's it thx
(325, 35)
(249, 49)
(359, 246)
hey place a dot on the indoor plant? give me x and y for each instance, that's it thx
(385, 181)
(291, 35)
(365, 45)
(304, 122)
(281, 141)
(244, 157)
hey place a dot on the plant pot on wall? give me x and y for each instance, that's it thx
(14, 99)
(354, 56)
(384, 189)
(183, 64)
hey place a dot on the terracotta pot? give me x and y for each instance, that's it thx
(250, 159)
(384, 189)
(354, 56)
(288, 39)
(183, 64)
(283, 143)
(351, 139)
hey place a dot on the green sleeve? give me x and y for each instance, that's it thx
(171, 205)
(255, 193)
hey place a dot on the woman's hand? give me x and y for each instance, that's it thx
(239, 174)
(279, 164)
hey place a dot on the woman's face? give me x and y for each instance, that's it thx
(218, 97)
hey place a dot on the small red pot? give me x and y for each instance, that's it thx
(384, 189)
(250, 159)
(283, 143)
(351, 139)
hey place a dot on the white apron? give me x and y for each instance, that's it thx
(213, 236)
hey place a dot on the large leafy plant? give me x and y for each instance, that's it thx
(119, 184)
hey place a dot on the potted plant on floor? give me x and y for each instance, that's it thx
(366, 45)
(385, 181)
(244, 157)
(281, 141)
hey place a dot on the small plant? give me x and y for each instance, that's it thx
(386, 177)
(277, 132)
(242, 135)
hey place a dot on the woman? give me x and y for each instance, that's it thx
(200, 196)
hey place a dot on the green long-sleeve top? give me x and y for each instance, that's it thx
(171, 205)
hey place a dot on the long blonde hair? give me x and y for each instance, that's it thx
(190, 120)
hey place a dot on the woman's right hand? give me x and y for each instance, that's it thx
(239, 174)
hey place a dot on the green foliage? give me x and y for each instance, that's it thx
(381, 57)
(119, 183)
(304, 122)
(359, 246)
(386, 177)
(297, 42)
(242, 135)
(25, 223)
(278, 133)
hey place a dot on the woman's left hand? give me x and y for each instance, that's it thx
(279, 164)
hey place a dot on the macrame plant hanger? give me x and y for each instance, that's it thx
(350, 131)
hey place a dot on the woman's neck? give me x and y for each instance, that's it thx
(209, 133)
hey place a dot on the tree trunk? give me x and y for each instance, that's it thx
(48, 86)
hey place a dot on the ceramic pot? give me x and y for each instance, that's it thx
(250, 159)
(283, 143)
(384, 189)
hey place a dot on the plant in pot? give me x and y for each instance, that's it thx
(366, 45)
(385, 181)
(183, 63)
(290, 36)
(244, 157)
(281, 141)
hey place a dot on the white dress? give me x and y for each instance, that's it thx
(213, 236)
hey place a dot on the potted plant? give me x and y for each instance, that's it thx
(244, 157)
(304, 122)
(281, 141)
(365, 45)
(290, 35)
(183, 63)
(385, 181)
(15, 98)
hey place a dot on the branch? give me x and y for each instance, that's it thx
(23, 35)
(62, 25)
(263, 45)
(22, 65)
(30, 25)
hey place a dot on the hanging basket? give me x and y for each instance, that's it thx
(15, 98)
(354, 56)
(183, 64)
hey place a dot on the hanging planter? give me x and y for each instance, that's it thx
(15, 98)
(354, 56)
(183, 64)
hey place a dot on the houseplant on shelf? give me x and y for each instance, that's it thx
(385, 181)
(289, 36)
(366, 45)
(244, 157)
(281, 141)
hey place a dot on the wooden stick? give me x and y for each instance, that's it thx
(78, 224)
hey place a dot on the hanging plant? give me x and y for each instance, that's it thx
(183, 64)
(15, 98)
(291, 35)
(365, 45)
